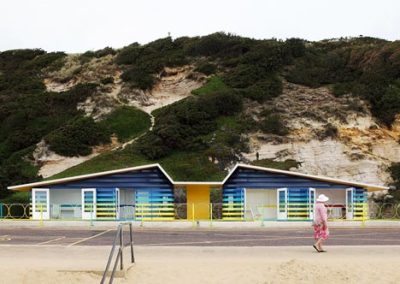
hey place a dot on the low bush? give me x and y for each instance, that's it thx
(266, 89)
(206, 68)
(139, 78)
(107, 80)
(77, 137)
(273, 125)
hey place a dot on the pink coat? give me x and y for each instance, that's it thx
(320, 214)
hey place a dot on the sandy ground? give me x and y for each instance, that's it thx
(47, 264)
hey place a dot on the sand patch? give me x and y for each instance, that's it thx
(360, 264)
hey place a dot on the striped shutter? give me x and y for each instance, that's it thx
(106, 203)
(359, 204)
(298, 204)
(154, 204)
(233, 204)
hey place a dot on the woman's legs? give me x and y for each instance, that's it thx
(318, 244)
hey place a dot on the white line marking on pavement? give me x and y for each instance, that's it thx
(89, 238)
(5, 238)
(49, 241)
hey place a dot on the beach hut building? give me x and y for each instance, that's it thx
(147, 193)
(130, 193)
(251, 192)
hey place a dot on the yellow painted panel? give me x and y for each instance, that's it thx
(198, 201)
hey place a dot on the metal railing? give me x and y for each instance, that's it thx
(187, 211)
(118, 241)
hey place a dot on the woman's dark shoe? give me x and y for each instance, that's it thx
(314, 246)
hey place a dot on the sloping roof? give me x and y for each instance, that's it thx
(28, 186)
(370, 187)
(80, 177)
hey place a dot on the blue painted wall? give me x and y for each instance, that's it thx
(142, 179)
(257, 179)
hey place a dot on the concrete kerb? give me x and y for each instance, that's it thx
(198, 224)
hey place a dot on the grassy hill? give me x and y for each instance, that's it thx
(195, 138)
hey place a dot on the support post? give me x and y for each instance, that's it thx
(131, 240)
(193, 223)
(211, 214)
(1, 210)
(262, 216)
(91, 214)
(363, 216)
(41, 215)
(141, 221)
(121, 247)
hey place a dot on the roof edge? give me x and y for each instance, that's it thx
(321, 178)
(216, 183)
(75, 178)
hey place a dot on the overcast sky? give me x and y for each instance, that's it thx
(80, 25)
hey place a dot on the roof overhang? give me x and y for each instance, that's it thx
(369, 187)
(28, 186)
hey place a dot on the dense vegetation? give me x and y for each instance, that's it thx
(364, 67)
(195, 138)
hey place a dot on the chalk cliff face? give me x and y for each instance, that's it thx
(360, 150)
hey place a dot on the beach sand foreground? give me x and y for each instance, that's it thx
(361, 264)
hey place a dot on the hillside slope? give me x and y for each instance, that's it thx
(199, 105)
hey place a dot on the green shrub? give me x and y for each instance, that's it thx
(274, 125)
(48, 60)
(394, 171)
(329, 131)
(17, 197)
(107, 80)
(280, 165)
(206, 68)
(152, 146)
(294, 47)
(264, 90)
(139, 78)
(77, 137)
(180, 125)
(244, 76)
(127, 122)
(88, 55)
(341, 89)
(218, 45)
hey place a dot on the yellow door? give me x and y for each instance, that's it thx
(198, 202)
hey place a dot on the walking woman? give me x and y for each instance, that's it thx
(320, 224)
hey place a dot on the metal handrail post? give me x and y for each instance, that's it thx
(121, 246)
(114, 268)
(131, 240)
(109, 258)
